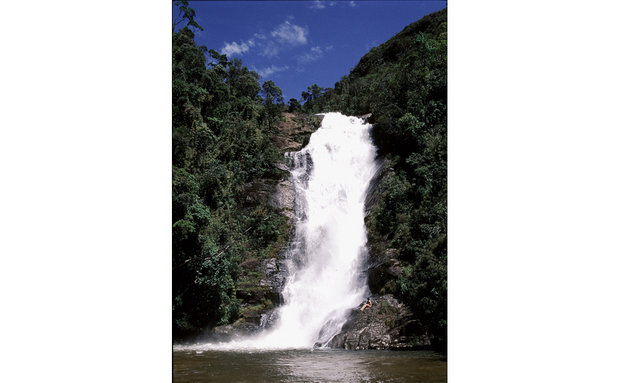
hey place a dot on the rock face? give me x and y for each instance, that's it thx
(373, 189)
(274, 272)
(387, 325)
(283, 197)
(383, 267)
(261, 293)
(295, 130)
(383, 263)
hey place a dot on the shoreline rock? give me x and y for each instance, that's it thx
(387, 325)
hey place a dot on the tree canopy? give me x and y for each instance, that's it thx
(221, 139)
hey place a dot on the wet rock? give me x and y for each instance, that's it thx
(274, 277)
(366, 116)
(269, 318)
(228, 332)
(387, 325)
(259, 296)
(283, 197)
(282, 166)
(245, 329)
(223, 331)
(374, 190)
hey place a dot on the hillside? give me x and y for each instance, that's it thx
(403, 83)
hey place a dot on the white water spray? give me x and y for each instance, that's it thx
(326, 259)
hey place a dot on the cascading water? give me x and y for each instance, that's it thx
(326, 258)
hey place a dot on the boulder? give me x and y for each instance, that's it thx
(226, 333)
(387, 325)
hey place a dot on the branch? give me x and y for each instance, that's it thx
(177, 20)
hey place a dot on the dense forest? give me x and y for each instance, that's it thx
(222, 133)
(224, 126)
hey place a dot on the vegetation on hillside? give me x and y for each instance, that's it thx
(221, 140)
(402, 82)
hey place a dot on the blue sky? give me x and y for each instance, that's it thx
(299, 43)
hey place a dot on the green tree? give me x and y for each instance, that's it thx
(221, 141)
(294, 105)
(315, 91)
(310, 98)
(185, 13)
(271, 93)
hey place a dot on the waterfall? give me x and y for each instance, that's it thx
(331, 176)
(326, 278)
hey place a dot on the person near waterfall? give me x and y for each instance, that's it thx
(367, 305)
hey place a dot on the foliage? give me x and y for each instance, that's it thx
(273, 98)
(402, 83)
(271, 93)
(222, 140)
(294, 106)
(185, 13)
(311, 98)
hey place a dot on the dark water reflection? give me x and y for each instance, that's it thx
(309, 366)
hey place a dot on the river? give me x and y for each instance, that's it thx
(309, 366)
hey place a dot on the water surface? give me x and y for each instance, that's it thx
(309, 366)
